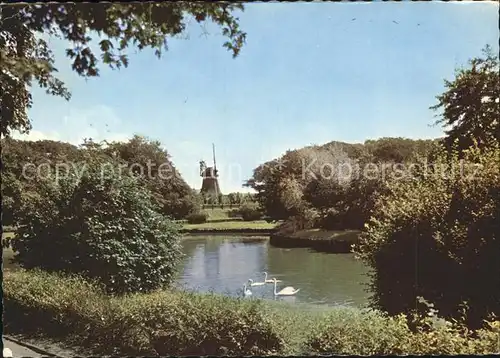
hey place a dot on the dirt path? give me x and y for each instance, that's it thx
(20, 351)
(22, 346)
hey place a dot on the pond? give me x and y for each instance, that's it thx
(223, 264)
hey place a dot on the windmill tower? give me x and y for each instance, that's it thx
(210, 184)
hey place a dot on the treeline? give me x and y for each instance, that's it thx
(231, 199)
(26, 163)
(429, 210)
(330, 185)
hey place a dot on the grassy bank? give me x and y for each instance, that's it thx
(218, 214)
(181, 323)
(260, 226)
(318, 239)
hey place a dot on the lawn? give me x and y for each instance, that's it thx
(218, 213)
(232, 225)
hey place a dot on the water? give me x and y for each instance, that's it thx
(223, 264)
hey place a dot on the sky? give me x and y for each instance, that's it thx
(310, 73)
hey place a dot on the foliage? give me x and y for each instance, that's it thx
(354, 332)
(181, 323)
(25, 56)
(435, 235)
(234, 213)
(139, 156)
(249, 213)
(151, 163)
(280, 184)
(101, 225)
(326, 183)
(471, 103)
(233, 198)
(197, 218)
(158, 323)
(20, 162)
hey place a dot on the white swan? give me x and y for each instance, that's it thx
(271, 280)
(287, 291)
(255, 283)
(246, 291)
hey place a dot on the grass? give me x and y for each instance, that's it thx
(180, 323)
(231, 225)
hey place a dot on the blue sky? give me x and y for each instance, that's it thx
(310, 73)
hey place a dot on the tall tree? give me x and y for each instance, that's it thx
(26, 58)
(471, 103)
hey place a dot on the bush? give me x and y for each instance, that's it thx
(356, 332)
(197, 218)
(103, 226)
(249, 213)
(158, 323)
(436, 236)
(234, 213)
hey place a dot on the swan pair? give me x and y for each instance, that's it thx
(262, 283)
(287, 291)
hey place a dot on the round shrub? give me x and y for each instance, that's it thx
(197, 218)
(249, 213)
(102, 226)
(234, 213)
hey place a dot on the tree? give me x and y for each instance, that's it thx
(20, 162)
(102, 225)
(471, 103)
(26, 58)
(148, 160)
(435, 235)
(231, 197)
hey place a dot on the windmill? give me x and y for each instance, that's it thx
(210, 184)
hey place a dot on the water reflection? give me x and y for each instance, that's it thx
(224, 264)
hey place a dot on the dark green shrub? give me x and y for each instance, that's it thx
(197, 218)
(436, 236)
(102, 226)
(234, 213)
(249, 213)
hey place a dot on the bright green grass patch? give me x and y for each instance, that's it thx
(218, 213)
(231, 225)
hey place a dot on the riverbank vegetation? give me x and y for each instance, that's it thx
(169, 322)
(317, 239)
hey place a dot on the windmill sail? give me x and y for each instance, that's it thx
(215, 165)
(210, 184)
